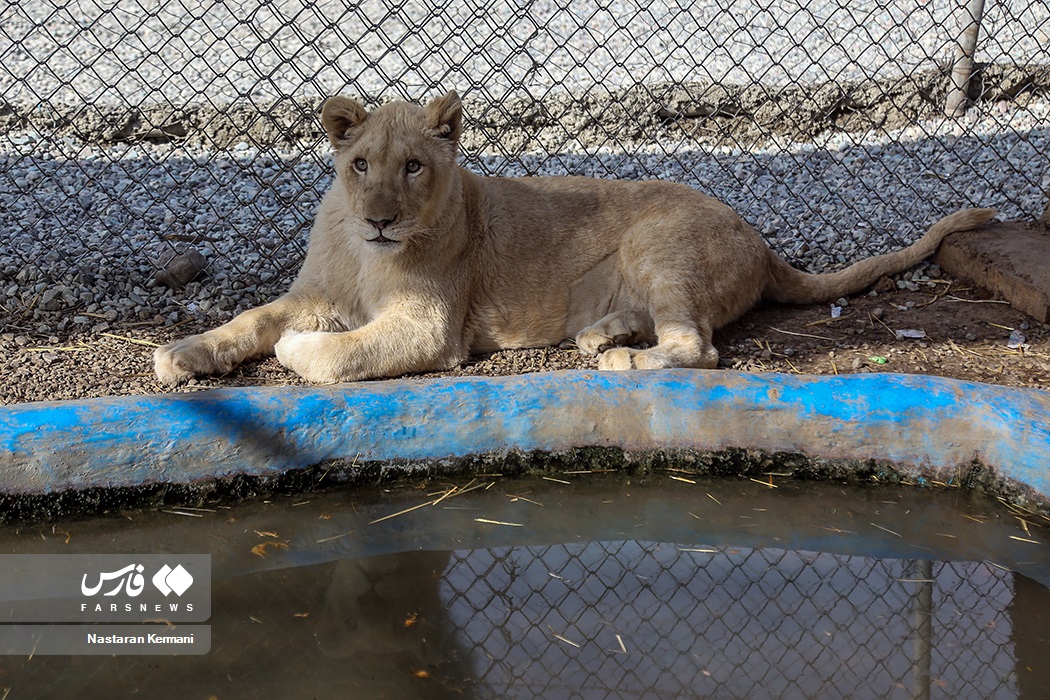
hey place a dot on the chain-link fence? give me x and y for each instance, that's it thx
(134, 131)
(632, 619)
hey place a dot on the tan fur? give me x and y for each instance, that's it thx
(415, 262)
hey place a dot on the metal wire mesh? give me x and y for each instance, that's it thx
(633, 619)
(133, 131)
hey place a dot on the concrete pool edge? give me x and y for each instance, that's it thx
(922, 428)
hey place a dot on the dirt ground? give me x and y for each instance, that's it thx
(965, 334)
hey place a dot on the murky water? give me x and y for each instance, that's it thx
(594, 588)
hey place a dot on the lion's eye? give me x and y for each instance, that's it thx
(413, 166)
(360, 165)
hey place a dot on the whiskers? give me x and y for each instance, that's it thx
(425, 232)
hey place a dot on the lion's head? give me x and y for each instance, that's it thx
(397, 164)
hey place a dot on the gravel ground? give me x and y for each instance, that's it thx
(84, 238)
(962, 332)
(87, 222)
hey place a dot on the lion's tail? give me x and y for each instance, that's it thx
(791, 286)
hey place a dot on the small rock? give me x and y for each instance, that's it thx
(884, 285)
(181, 269)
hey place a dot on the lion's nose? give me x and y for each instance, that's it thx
(380, 224)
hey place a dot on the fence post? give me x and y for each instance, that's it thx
(955, 105)
(922, 629)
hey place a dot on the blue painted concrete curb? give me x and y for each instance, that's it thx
(926, 423)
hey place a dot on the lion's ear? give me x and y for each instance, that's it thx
(340, 115)
(445, 117)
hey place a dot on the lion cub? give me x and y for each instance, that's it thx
(415, 263)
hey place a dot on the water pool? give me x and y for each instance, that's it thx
(586, 586)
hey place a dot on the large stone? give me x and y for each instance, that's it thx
(1011, 259)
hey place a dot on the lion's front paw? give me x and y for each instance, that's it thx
(167, 367)
(591, 342)
(309, 355)
(617, 359)
(177, 363)
(630, 358)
